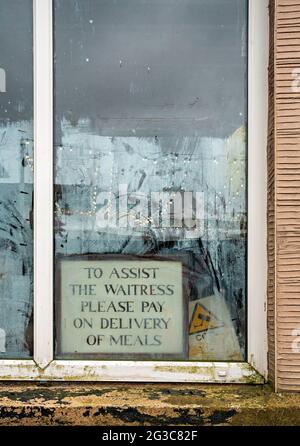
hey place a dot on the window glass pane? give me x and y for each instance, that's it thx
(151, 98)
(16, 178)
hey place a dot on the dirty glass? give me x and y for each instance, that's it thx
(16, 178)
(150, 165)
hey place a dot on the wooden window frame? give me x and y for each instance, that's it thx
(44, 366)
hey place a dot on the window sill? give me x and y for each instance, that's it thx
(145, 404)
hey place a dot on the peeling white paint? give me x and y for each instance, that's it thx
(131, 371)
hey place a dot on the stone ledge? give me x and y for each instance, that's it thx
(114, 404)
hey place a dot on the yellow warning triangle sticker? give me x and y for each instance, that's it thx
(203, 320)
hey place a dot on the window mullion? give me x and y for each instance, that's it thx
(43, 185)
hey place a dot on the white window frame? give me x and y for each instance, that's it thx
(43, 366)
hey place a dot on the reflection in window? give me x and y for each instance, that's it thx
(16, 178)
(150, 97)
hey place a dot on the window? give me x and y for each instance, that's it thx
(144, 215)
